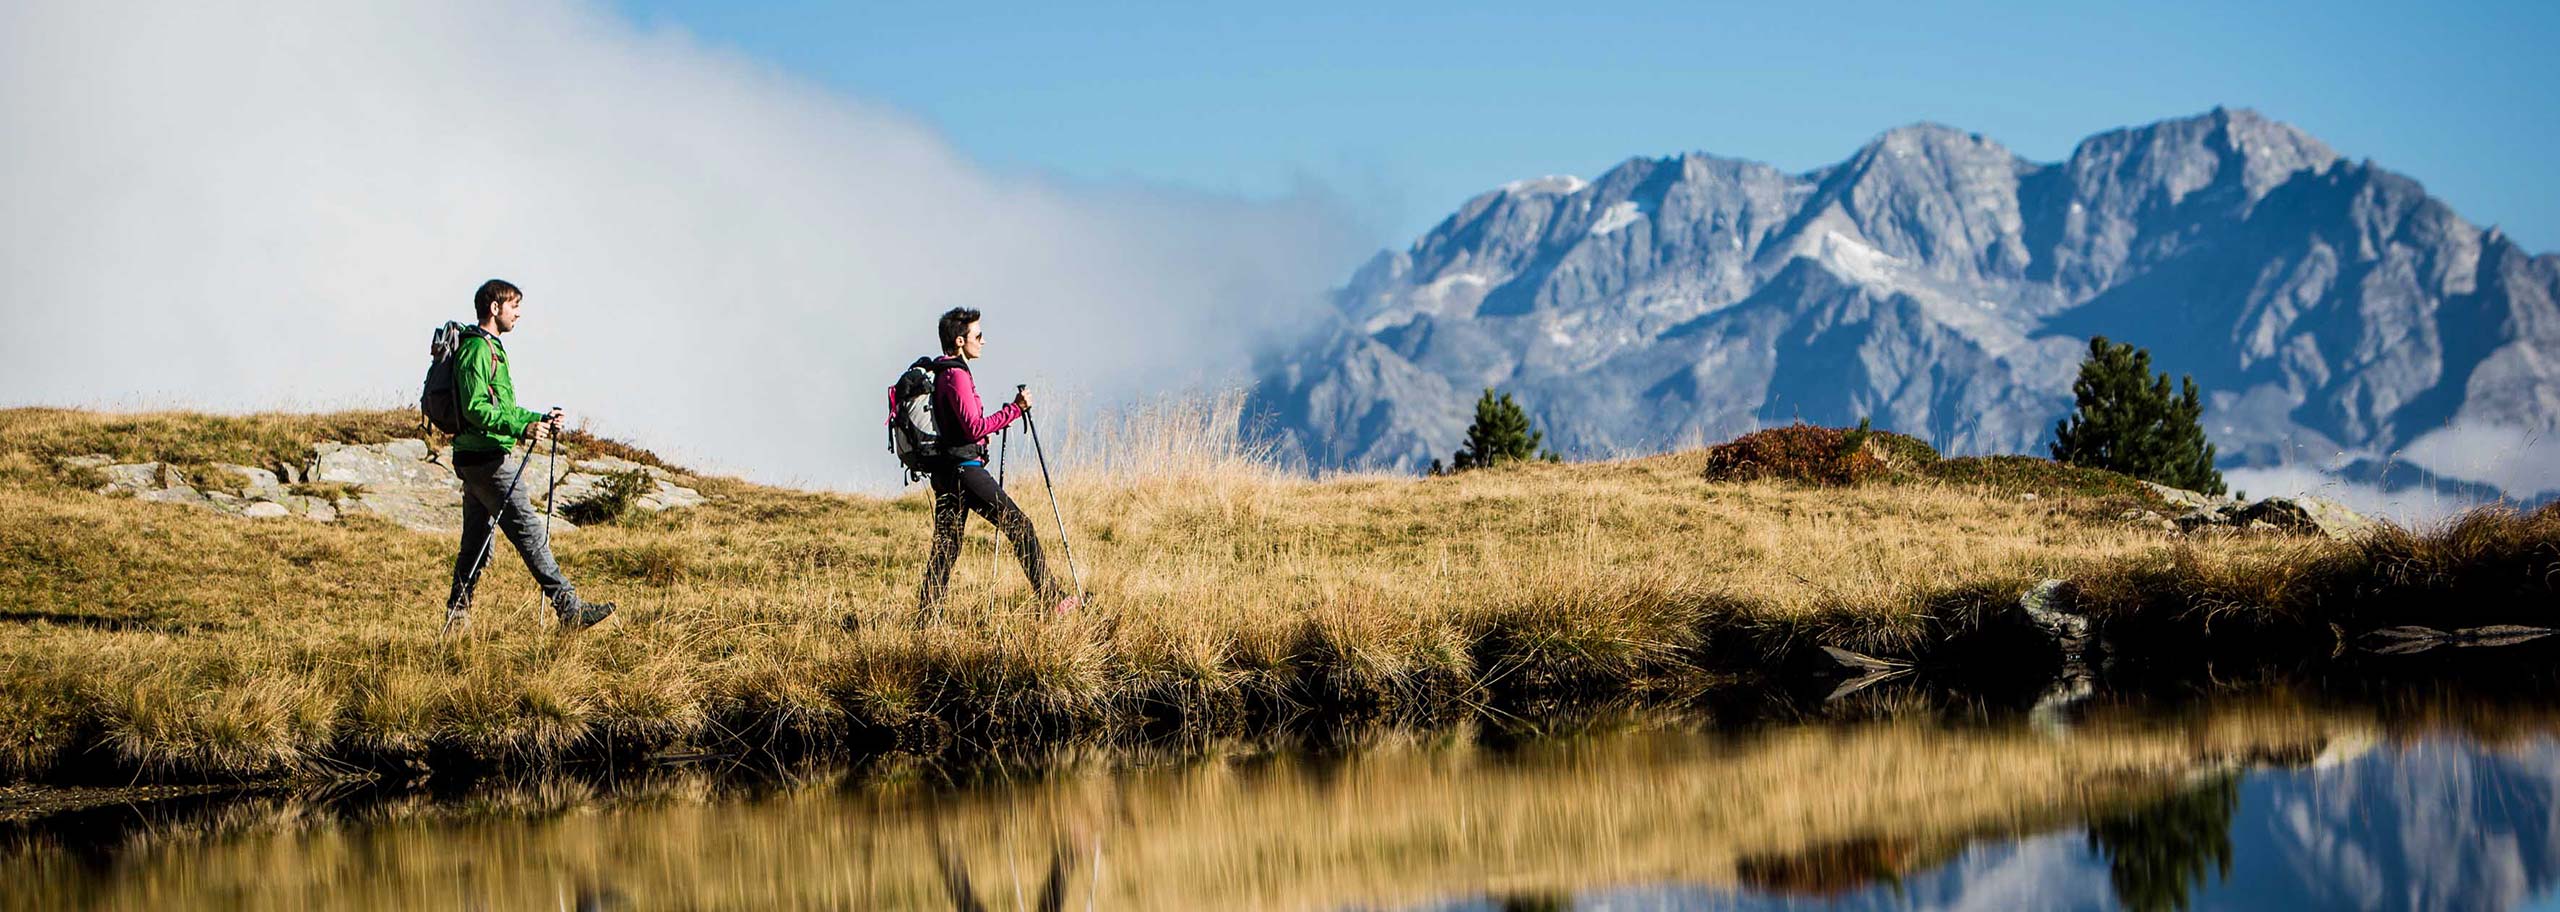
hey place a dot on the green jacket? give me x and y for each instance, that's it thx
(490, 419)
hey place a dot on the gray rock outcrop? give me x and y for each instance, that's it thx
(2297, 515)
(402, 481)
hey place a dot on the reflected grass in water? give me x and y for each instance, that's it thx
(1399, 818)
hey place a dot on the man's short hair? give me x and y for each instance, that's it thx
(955, 323)
(491, 292)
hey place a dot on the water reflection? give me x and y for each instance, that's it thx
(2246, 805)
(2442, 823)
(2157, 854)
(964, 895)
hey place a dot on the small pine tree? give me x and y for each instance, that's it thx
(2129, 420)
(1500, 434)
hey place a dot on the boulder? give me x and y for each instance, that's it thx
(2189, 500)
(2286, 515)
(2308, 515)
(2202, 518)
(255, 478)
(418, 508)
(610, 465)
(586, 478)
(404, 463)
(177, 495)
(2048, 607)
(670, 496)
(136, 477)
(265, 509)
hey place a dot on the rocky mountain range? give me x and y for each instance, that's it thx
(1943, 286)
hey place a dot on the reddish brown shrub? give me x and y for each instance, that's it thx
(1800, 453)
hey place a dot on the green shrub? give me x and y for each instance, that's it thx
(613, 497)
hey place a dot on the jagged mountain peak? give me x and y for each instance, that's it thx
(1926, 138)
(1940, 284)
(2180, 156)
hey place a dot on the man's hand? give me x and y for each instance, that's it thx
(549, 424)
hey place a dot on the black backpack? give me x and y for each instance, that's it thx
(441, 403)
(911, 428)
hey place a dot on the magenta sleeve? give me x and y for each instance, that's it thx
(964, 405)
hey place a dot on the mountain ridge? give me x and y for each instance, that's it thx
(1939, 283)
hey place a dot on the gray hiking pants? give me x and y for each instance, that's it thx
(485, 493)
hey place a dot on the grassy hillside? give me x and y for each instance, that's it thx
(166, 642)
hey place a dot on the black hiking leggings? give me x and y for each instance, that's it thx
(957, 492)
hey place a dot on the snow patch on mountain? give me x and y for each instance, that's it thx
(1619, 215)
(1555, 184)
(1855, 260)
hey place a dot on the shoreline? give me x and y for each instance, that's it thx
(162, 643)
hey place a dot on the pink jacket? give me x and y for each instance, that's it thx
(955, 411)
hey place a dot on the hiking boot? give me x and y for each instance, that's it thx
(580, 614)
(1067, 606)
(456, 620)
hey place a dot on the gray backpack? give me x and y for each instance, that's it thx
(911, 429)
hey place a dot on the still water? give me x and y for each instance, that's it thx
(2264, 804)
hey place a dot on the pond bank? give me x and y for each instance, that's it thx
(158, 643)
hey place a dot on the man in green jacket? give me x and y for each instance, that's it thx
(491, 496)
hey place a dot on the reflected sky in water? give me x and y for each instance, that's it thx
(2441, 823)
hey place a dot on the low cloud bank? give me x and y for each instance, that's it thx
(2414, 507)
(2525, 464)
(228, 208)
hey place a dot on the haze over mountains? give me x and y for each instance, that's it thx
(1934, 281)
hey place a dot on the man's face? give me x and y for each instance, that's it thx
(972, 342)
(506, 311)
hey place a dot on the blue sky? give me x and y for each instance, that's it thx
(1405, 110)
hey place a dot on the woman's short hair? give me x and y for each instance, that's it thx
(955, 323)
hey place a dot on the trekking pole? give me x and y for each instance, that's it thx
(995, 561)
(1073, 573)
(551, 495)
(551, 498)
(489, 543)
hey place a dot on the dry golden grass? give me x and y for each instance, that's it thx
(173, 643)
(1403, 818)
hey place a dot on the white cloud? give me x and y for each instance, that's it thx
(227, 207)
(2520, 462)
(2415, 507)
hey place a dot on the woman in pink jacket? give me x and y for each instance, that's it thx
(960, 480)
